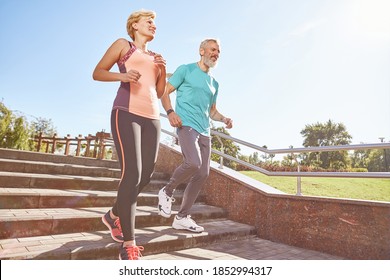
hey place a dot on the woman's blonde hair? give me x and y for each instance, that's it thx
(135, 17)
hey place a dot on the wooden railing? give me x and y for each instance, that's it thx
(89, 146)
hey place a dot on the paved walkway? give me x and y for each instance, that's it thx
(249, 249)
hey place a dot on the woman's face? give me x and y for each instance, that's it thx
(146, 27)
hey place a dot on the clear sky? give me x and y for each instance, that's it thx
(284, 63)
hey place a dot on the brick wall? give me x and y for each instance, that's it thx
(348, 228)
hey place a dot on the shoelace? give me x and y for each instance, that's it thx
(191, 220)
(134, 252)
(117, 223)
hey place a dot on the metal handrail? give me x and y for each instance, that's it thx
(293, 151)
(305, 149)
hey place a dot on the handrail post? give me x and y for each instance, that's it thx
(299, 189)
(222, 151)
(174, 140)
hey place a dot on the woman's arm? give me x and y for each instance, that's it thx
(113, 54)
(162, 78)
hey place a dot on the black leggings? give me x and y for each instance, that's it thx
(136, 140)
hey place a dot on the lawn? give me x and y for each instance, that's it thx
(355, 188)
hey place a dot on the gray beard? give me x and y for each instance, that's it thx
(208, 62)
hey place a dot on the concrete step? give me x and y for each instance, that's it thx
(24, 166)
(51, 208)
(27, 198)
(95, 245)
(56, 158)
(52, 181)
(16, 223)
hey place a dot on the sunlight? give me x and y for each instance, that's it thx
(371, 18)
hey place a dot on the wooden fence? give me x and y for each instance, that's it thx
(89, 146)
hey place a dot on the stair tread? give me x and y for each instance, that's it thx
(30, 247)
(8, 215)
(26, 175)
(53, 192)
(69, 192)
(58, 158)
(55, 176)
(61, 164)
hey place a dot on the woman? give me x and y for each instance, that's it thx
(135, 121)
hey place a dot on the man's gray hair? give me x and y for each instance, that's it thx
(205, 42)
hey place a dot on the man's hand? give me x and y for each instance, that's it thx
(174, 119)
(228, 122)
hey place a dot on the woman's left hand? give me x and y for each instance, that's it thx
(160, 61)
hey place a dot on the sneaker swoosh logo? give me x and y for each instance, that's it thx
(161, 209)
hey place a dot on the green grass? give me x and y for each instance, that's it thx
(355, 188)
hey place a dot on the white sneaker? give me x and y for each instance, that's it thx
(186, 223)
(164, 203)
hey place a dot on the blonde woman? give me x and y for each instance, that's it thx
(135, 121)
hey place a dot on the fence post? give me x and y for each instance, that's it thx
(39, 141)
(78, 149)
(67, 144)
(54, 145)
(47, 145)
(89, 139)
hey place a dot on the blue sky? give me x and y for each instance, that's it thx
(284, 63)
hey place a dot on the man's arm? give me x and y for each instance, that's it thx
(217, 116)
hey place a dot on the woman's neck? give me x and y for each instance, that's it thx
(141, 44)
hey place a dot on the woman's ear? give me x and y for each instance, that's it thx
(134, 25)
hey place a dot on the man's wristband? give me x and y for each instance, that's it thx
(170, 111)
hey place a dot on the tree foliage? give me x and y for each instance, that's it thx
(229, 148)
(15, 131)
(326, 134)
(44, 126)
(372, 160)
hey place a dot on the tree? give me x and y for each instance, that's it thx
(360, 158)
(15, 131)
(254, 158)
(326, 134)
(372, 160)
(44, 126)
(229, 148)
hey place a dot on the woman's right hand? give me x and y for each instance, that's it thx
(131, 77)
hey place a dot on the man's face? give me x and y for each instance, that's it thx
(211, 54)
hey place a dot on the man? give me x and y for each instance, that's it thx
(196, 98)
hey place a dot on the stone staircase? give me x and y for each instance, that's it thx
(51, 208)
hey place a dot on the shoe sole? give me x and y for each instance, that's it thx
(189, 229)
(162, 213)
(109, 227)
(128, 260)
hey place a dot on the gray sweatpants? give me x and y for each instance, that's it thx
(196, 150)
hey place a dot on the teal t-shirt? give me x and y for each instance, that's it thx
(196, 91)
